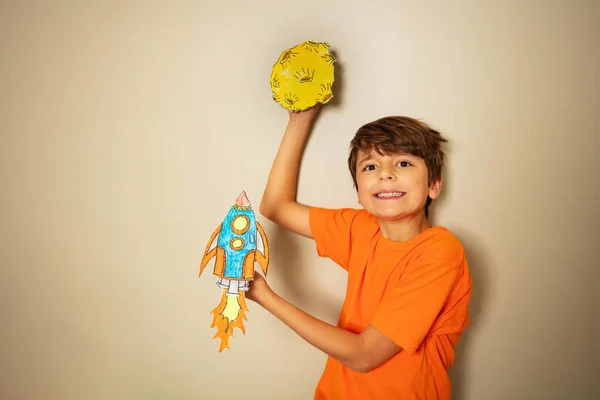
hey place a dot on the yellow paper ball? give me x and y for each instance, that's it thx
(303, 76)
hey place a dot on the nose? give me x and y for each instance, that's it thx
(386, 175)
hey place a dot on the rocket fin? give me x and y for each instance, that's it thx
(210, 250)
(260, 243)
(220, 262)
(248, 266)
(206, 259)
(214, 238)
(262, 248)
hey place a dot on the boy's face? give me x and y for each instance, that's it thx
(394, 186)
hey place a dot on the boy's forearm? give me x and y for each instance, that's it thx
(340, 344)
(282, 182)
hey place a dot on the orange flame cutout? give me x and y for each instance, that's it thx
(224, 325)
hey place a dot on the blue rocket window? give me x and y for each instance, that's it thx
(240, 224)
(236, 243)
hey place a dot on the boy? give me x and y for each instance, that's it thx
(408, 282)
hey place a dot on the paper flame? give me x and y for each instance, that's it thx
(229, 314)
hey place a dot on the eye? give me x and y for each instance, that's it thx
(404, 164)
(368, 167)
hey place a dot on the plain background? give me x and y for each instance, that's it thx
(129, 128)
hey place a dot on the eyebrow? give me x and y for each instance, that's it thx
(371, 157)
(366, 158)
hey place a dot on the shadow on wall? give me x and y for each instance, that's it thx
(293, 273)
(478, 268)
(461, 370)
(338, 83)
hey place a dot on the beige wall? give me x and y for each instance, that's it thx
(127, 130)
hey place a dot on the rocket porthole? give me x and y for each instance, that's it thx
(240, 224)
(236, 243)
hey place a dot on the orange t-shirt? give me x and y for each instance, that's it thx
(414, 292)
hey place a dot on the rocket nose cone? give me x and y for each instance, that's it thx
(242, 200)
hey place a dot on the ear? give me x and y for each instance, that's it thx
(435, 189)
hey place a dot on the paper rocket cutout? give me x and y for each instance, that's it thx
(303, 76)
(237, 243)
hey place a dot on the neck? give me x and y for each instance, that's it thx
(404, 229)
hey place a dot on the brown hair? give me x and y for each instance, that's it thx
(400, 134)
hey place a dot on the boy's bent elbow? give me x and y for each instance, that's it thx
(359, 360)
(373, 355)
(361, 369)
(265, 210)
(269, 207)
(363, 366)
(270, 211)
(360, 364)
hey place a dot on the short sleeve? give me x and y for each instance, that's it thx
(332, 232)
(412, 303)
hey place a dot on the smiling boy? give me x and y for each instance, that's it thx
(409, 286)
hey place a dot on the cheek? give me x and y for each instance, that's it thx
(363, 185)
(418, 181)
(362, 192)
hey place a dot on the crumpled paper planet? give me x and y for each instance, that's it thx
(303, 76)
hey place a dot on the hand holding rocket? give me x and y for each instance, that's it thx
(237, 243)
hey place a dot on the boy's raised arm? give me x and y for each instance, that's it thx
(279, 199)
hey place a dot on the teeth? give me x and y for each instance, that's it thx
(391, 194)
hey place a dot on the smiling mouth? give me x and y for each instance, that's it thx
(389, 195)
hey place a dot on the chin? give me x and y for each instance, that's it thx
(388, 215)
(392, 213)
